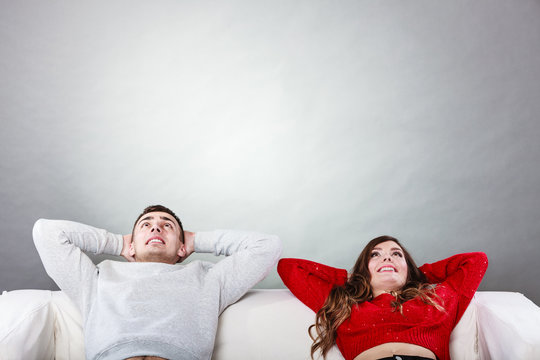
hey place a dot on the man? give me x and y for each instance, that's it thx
(150, 307)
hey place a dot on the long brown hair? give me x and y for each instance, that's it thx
(357, 289)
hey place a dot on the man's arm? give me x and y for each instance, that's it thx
(250, 257)
(60, 245)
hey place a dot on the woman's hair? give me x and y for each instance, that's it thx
(357, 289)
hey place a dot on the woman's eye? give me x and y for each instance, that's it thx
(374, 254)
(398, 254)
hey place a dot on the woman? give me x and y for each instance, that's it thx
(387, 306)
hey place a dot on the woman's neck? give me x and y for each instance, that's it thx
(377, 292)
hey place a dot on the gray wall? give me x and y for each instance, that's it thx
(325, 122)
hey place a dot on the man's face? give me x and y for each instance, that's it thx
(156, 238)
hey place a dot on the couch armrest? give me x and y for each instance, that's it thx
(26, 325)
(508, 326)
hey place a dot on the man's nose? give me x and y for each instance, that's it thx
(156, 228)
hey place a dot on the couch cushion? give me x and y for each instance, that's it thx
(67, 328)
(272, 324)
(464, 338)
(266, 324)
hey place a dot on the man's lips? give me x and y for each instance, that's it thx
(155, 240)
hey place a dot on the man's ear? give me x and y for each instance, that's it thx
(182, 250)
(131, 249)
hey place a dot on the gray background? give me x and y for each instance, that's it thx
(325, 122)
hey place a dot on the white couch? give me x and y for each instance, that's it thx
(265, 324)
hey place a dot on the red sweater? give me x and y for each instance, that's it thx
(373, 322)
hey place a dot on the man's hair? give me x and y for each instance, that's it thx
(160, 208)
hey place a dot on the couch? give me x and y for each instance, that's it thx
(265, 324)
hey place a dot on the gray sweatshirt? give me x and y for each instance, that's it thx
(147, 308)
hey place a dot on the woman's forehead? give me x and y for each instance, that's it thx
(387, 245)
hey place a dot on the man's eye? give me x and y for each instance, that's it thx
(169, 225)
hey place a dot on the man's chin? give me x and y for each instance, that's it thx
(155, 256)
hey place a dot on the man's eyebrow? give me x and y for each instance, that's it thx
(151, 217)
(146, 218)
(166, 218)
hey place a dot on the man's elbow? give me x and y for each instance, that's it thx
(274, 247)
(39, 228)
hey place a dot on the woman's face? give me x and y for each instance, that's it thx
(387, 267)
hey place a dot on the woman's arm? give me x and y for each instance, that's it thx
(462, 272)
(309, 281)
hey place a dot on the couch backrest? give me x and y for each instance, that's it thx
(264, 324)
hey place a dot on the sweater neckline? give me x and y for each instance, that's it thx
(380, 297)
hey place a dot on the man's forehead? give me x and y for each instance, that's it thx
(158, 215)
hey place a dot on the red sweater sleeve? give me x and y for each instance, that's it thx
(309, 281)
(462, 272)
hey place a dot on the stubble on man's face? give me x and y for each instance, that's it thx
(156, 238)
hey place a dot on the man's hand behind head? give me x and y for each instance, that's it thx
(125, 248)
(189, 243)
